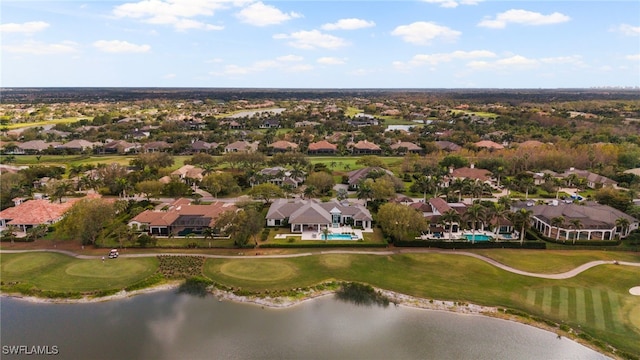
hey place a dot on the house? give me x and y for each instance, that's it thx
(241, 146)
(188, 172)
(471, 172)
(120, 147)
(313, 215)
(31, 213)
(279, 176)
(593, 180)
(156, 146)
(364, 147)
(354, 177)
(591, 221)
(270, 124)
(35, 146)
(322, 147)
(77, 145)
(181, 218)
(363, 120)
(283, 146)
(448, 146)
(203, 146)
(403, 147)
(305, 123)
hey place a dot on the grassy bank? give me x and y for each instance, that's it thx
(596, 301)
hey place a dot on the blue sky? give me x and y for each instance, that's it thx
(320, 44)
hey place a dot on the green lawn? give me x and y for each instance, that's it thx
(45, 122)
(553, 262)
(56, 272)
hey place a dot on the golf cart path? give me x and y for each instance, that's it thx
(564, 275)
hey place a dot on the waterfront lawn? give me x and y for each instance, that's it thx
(553, 262)
(66, 274)
(602, 307)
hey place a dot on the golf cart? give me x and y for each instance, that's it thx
(113, 254)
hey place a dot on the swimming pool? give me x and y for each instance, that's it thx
(337, 237)
(477, 237)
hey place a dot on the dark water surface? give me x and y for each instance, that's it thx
(166, 325)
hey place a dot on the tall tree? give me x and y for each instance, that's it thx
(266, 192)
(522, 218)
(401, 223)
(474, 214)
(450, 217)
(86, 219)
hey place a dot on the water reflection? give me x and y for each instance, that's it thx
(167, 325)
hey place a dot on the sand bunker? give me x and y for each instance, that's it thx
(635, 290)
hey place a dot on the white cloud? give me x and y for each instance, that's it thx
(573, 59)
(25, 28)
(627, 29)
(300, 68)
(312, 39)
(169, 76)
(215, 61)
(259, 14)
(435, 59)
(177, 13)
(453, 3)
(523, 17)
(349, 24)
(118, 46)
(40, 48)
(519, 62)
(290, 58)
(633, 57)
(327, 60)
(282, 63)
(423, 33)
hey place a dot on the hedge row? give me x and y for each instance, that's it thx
(586, 242)
(468, 245)
(318, 245)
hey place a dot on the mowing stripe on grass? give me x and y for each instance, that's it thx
(615, 311)
(581, 314)
(531, 297)
(546, 300)
(564, 302)
(598, 313)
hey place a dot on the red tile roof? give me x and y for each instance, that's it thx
(183, 207)
(35, 212)
(322, 145)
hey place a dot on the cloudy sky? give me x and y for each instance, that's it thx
(320, 44)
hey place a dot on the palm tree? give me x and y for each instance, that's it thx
(522, 218)
(325, 233)
(450, 217)
(474, 214)
(458, 185)
(577, 225)
(364, 192)
(208, 232)
(59, 189)
(623, 224)
(557, 222)
(309, 191)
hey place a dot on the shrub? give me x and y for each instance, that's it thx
(361, 294)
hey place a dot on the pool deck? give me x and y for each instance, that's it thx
(317, 235)
(460, 235)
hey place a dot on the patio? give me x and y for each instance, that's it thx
(459, 235)
(317, 235)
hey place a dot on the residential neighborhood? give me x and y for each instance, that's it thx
(324, 165)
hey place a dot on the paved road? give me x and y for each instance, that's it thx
(564, 275)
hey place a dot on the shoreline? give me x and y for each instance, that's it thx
(398, 299)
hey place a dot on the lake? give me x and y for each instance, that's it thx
(166, 325)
